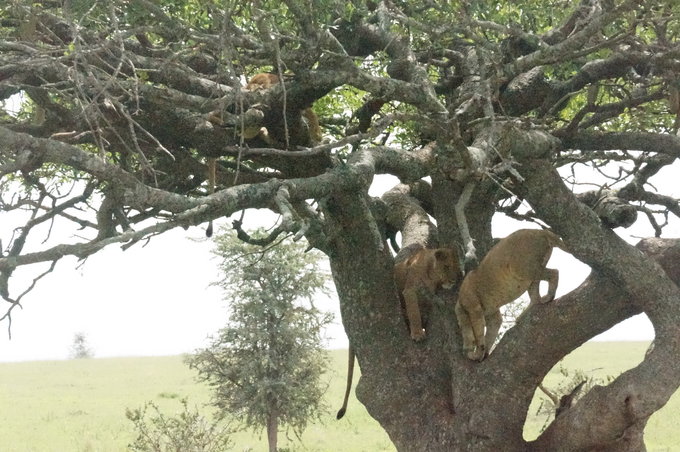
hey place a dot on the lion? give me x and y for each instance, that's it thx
(304, 131)
(427, 270)
(514, 265)
(264, 81)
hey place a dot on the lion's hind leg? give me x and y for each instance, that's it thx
(534, 292)
(493, 325)
(553, 277)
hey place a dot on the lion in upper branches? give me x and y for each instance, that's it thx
(276, 137)
(306, 132)
(298, 129)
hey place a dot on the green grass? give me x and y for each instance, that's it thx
(79, 405)
(601, 360)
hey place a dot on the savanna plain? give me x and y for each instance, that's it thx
(79, 405)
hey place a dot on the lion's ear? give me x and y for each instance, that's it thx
(440, 254)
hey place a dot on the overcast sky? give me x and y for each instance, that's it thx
(157, 299)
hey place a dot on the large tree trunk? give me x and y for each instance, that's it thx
(429, 397)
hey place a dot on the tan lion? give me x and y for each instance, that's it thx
(514, 265)
(264, 81)
(426, 270)
(429, 269)
(308, 131)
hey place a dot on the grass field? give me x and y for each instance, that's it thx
(79, 405)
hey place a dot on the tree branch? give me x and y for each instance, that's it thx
(639, 392)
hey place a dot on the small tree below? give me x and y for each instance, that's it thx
(188, 431)
(80, 348)
(265, 365)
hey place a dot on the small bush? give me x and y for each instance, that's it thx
(576, 384)
(168, 395)
(189, 431)
(80, 348)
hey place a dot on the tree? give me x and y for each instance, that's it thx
(480, 110)
(265, 366)
(79, 348)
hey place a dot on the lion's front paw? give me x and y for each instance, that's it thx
(418, 335)
(478, 354)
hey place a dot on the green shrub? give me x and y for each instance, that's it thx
(189, 431)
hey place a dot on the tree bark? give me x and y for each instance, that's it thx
(453, 404)
(486, 123)
(429, 397)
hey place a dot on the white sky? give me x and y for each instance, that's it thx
(157, 299)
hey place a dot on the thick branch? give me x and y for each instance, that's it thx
(186, 210)
(641, 391)
(612, 210)
(636, 141)
(405, 214)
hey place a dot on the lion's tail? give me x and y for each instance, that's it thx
(350, 375)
